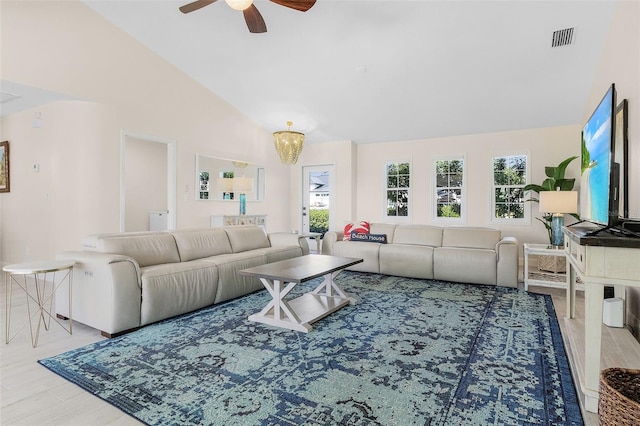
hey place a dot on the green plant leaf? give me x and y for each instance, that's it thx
(562, 167)
(549, 184)
(550, 171)
(533, 187)
(565, 184)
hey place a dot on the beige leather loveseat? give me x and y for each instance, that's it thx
(127, 280)
(462, 254)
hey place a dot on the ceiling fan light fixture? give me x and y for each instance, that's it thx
(288, 144)
(239, 4)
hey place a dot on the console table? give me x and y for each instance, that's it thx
(599, 260)
(239, 220)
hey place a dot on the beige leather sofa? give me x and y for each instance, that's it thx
(127, 280)
(462, 254)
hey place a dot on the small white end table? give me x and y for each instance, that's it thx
(541, 278)
(314, 235)
(43, 280)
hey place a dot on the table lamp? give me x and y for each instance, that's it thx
(243, 185)
(225, 185)
(557, 203)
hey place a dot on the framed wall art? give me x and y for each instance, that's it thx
(4, 166)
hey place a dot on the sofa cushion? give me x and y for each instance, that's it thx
(232, 284)
(470, 237)
(464, 265)
(147, 249)
(173, 289)
(95, 242)
(198, 243)
(368, 252)
(243, 238)
(278, 253)
(418, 234)
(406, 260)
(383, 228)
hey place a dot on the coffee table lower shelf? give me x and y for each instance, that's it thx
(308, 308)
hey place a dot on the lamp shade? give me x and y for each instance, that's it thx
(288, 144)
(558, 202)
(242, 184)
(224, 184)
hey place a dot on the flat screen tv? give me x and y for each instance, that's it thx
(600, 174)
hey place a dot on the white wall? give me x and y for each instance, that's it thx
(67, 48)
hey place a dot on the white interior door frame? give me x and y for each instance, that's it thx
(171, 175)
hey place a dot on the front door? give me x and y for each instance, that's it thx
(317, 199)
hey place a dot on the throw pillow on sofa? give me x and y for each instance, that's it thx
(370, 238)
(363, 228)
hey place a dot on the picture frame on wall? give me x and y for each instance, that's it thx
(621, 150)
(4, 167)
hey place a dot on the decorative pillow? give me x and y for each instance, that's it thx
(363, 228)
(370, 238)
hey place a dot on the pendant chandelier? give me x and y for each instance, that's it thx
(288, 144)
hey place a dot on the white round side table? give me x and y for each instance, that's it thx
(39, 281)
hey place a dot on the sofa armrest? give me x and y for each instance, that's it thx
(277, 239)
(106, 291)
(329, 240)
(507, 258)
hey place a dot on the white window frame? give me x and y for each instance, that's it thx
(409, 190)
(526, 219)
(434, 190)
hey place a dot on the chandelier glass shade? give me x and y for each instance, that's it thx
(288, 144)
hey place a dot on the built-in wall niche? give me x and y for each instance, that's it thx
(219, 179)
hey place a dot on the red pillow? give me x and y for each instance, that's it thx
(363, 228)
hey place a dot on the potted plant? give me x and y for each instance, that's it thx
(555, 181)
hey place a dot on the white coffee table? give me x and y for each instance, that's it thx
(279, 278)
(39, 281)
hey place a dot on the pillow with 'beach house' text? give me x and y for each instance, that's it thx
(362, 228)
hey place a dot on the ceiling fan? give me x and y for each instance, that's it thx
(252, 16)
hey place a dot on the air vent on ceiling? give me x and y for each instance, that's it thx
(6, 97)
(562, 37)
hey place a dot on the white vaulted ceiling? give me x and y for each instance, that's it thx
(375, 71)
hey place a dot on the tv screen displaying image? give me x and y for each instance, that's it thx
(598, 181)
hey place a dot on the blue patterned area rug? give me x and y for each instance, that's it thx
(410, 352)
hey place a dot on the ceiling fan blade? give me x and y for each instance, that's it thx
(254, 20)
(198, 4)
(301, 5)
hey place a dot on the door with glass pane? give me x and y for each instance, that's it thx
(317, 200)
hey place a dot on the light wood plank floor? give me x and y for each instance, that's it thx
(32, 395)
